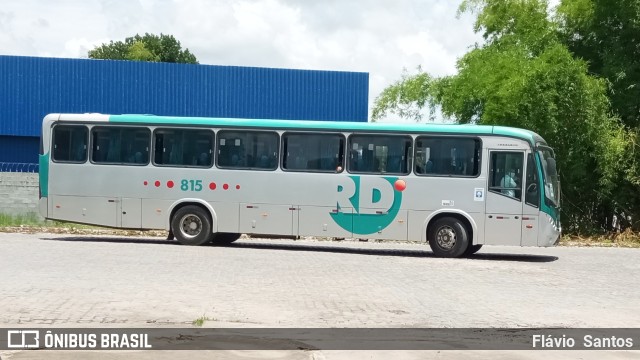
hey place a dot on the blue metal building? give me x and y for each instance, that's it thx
(32, 87)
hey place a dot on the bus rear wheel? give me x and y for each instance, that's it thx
(448, 237)
(225, 238)
(191, 225)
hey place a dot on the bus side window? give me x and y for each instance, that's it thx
(248, 149)
(229, 150)
(448, 156)
(313, 152)
(121, 145)
(70, 143)
(379, 154)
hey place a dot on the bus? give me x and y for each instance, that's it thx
(455, 187)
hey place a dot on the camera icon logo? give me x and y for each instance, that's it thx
(23, 339)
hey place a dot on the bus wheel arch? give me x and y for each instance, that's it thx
(449, 234)
(192, 223)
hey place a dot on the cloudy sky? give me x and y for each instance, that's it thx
(380, 37)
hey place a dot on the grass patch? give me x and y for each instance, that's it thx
(34, 220)
(29, 219)
(32, 223)
(626, 238)
(200, 321)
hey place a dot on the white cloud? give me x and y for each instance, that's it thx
(375, 36)
(79, 47)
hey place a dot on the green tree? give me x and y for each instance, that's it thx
(163, 48)
(407, 98)
(525, 76)
(606, 35)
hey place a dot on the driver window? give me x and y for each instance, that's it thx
(506, 174)
(532, 195)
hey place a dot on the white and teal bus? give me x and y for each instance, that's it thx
(457, 187)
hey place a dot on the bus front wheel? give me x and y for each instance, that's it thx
(191, 225)
(448, 237)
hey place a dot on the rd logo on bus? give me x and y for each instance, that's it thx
(375, 202)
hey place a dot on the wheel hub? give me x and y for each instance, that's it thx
(190, 225)
(446, 237)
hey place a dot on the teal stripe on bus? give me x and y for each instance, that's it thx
(43, 174)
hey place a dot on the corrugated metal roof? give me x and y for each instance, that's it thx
(32, 87)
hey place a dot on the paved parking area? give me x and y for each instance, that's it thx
(88, 281)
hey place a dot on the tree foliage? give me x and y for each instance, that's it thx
(524, 75)
(407, 98)
(163, 48)
(606, 34)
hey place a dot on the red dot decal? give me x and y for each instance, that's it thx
(170, 184)
(157, 183)
(400, 185)
(237, 187)
(212, 186)
(225, 186)
(146, 183)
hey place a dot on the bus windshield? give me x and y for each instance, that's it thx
(550, 175)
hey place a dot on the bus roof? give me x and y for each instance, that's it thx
(466, 129)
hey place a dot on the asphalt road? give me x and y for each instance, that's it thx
(88, 281)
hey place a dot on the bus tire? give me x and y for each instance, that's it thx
(472, 249)
(448, 237)
(191, 225)
(225, 238)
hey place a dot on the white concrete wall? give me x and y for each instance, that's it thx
(18, 193)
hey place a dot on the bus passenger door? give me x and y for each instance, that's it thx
(504, 209)
(531, 208)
